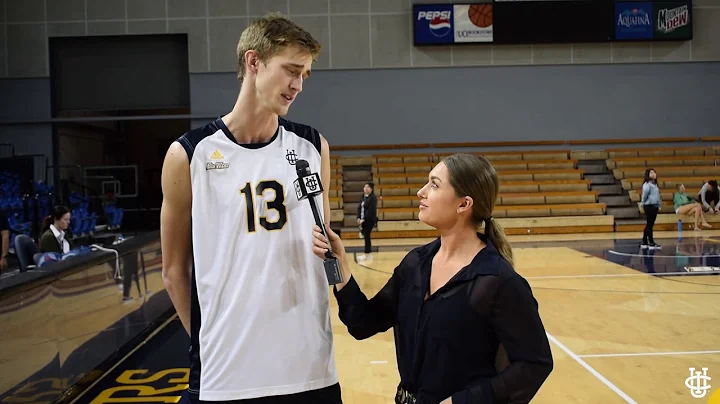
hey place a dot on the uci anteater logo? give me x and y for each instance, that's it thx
(291, 157)
(311, 184)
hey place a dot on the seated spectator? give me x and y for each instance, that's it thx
(709, 197)
(55, 227)
(685, 205)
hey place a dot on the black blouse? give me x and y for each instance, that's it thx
(447, 345)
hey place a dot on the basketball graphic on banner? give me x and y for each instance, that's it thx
(473, 22)
(481, 15)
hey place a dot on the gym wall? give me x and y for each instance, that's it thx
(372, 86)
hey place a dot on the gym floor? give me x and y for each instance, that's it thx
(626, 325)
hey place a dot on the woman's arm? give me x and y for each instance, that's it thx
(372, 209)
(363, 318)
(48, 243)
(645, 193)
(703, 191)
(517, 323)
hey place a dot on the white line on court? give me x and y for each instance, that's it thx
(618, 355)
(661, 256)
(378, 362)
(639, 274)
(591, 370)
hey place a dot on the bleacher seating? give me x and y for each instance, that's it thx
(14, 205)
(535, 185)
(23, 209)
(335, 192)
(691, 166)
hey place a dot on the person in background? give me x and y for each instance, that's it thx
(4, 240)
(651, 202)
(455, 302)
(367, 217)
(685, 205)
(709, 197)
(55, 226)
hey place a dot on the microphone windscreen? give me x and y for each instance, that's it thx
(302, 167)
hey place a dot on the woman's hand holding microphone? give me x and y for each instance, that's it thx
(320, 247)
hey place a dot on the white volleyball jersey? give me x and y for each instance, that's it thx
(260, 314)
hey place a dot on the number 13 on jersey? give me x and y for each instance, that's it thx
(274, 194)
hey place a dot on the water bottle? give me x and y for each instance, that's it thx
(679, 229)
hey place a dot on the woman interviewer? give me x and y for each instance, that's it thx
(455, 301)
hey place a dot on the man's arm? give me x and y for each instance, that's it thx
(325, 178)
(175, 230)
(703, 191)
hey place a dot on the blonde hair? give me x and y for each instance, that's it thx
(269, 36)
(475, 177)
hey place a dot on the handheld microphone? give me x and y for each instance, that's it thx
(307, 185)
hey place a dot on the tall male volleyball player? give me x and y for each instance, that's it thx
(237, 244)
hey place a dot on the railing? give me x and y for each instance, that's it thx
(570, 142)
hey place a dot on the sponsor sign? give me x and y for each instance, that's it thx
(672, 20)
(633, 20)
(433, 24)
(473, 23)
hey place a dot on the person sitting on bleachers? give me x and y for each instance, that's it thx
(54, 234)
(709, 197)
(685, 205)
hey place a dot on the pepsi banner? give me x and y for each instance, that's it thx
(444, 24)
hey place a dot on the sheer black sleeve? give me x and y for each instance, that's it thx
(516, 321)
(365, 318)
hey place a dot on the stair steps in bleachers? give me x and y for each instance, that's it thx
(610, 189)
(352, 197)
(615, 200)
(354, 178)
(601, 179)
(614, 189)
(624, 212)
(593, 166)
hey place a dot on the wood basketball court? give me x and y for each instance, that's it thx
(618, 335)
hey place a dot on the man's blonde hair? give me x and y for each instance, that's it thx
(269, 36)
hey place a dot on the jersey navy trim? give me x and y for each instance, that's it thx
(191, 139)
(195, 322)
(230, 136)
(304, 131)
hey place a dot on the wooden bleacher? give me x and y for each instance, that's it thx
(540, 192)
(691, 166)
(335, 193)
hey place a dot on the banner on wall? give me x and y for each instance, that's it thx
(634, 20)
(473, 22)
(452, 23)
(672, 20)
(551, 21)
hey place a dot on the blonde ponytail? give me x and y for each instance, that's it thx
(495, 232)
